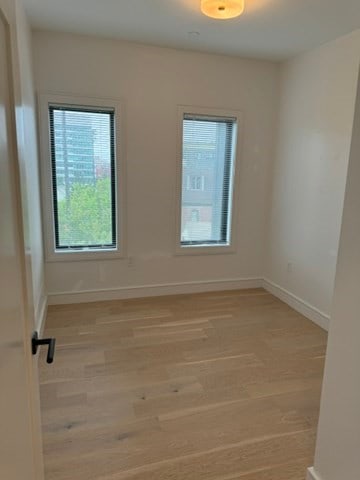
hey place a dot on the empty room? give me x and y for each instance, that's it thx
(179, 240)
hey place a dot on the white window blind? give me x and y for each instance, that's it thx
(208, 152)
(83, 177)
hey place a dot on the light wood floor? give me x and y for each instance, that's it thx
(215, 386)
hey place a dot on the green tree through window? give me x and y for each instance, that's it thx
(88, 212)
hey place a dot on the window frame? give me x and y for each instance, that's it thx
(208, 249)
(52, 254)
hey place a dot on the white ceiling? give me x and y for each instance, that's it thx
(269, 29)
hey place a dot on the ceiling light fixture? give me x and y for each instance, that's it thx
(222, 9)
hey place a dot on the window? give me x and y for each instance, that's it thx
(81, 178)
(208, 170)
(195, 182)
(195, 215)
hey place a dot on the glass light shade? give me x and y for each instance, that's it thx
(222, 9)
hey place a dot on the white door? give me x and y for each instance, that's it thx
(20, 439)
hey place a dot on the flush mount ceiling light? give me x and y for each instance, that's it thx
(222, 9)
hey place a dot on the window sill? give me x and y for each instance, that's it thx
(204, 249)
(83, 255)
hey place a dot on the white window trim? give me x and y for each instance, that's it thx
(51, 255)
(231, 247)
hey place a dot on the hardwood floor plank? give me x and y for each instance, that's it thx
(215, 386)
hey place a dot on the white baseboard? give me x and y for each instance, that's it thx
(309, 311)
(40, 314)
(312, 475)
(87, 296)
(152, 290)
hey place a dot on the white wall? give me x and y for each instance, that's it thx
(152, 82)
(337, 451)
(316, 115)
